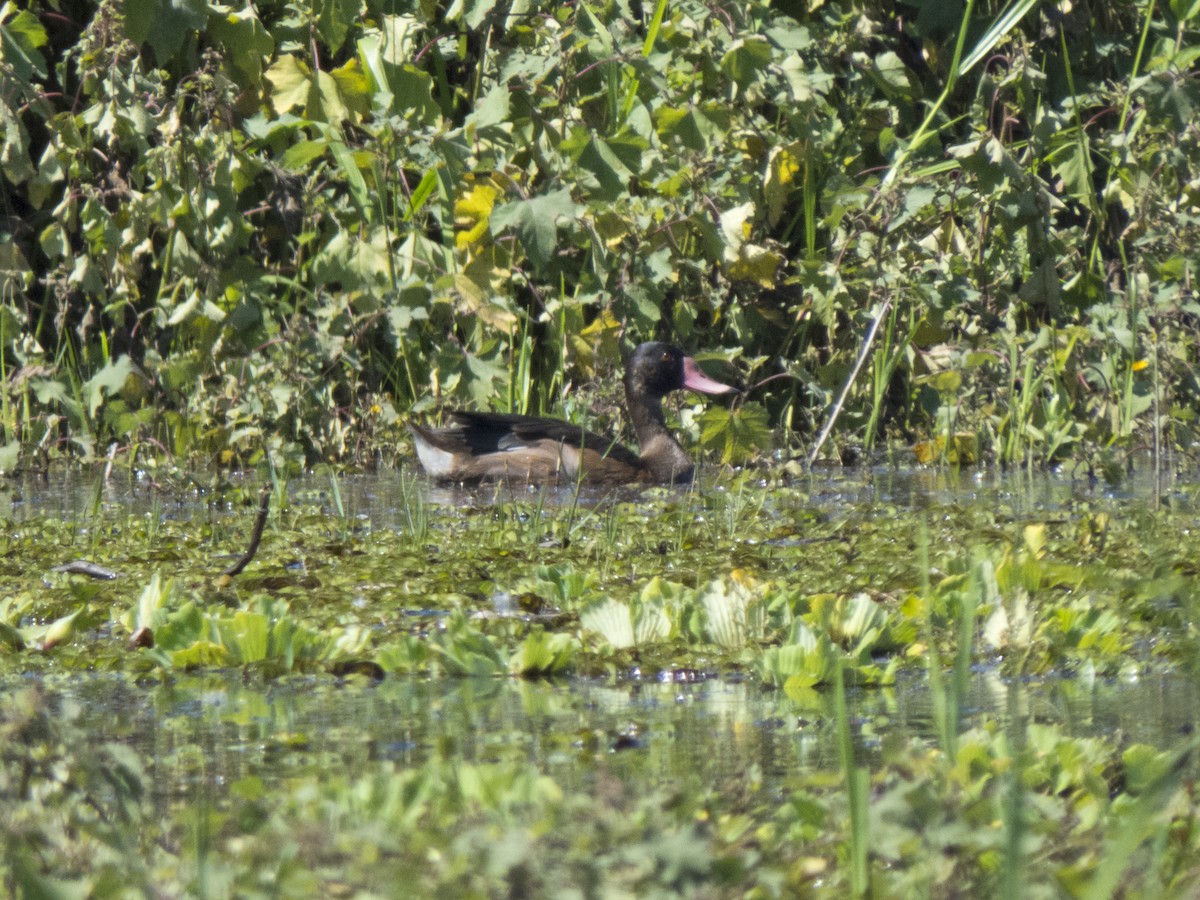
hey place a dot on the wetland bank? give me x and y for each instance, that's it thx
(914, 681)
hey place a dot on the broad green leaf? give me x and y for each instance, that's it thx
(326, 103)
(1072, 167)
(300, 155)
(736, 434)
(535, 222)
(245, 41)
(164, 24)
(690, 126)
(152, 608)
(291, 84)
(353, 88)
(20, 40)
(893, 75)
(610, 176)
(334, 18)
(15, 164)
(108, 382)
(543, 653)
(746, 60)
(612, 620)
(1185, 10)
(492, 109)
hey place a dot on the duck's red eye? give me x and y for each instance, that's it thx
(666, 357)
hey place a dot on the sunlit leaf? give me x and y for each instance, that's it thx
(108, 382)
(738, 433)
(535, 222)
(291, 84)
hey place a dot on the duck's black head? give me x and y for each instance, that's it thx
(655, 369)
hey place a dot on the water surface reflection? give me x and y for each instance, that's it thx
(204, 733)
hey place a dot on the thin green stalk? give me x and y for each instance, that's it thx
(868, 342)
(811, 189)
(1089, 200)
(1013, 881)
(933, 663)
(5, 400)
(919, 136)
(97, 517)
(885, 362)
(335, 490)
(412, 505)
(1133, 73)
(857, 785)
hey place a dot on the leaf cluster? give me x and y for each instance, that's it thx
(228, 230)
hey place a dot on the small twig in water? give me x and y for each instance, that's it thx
(260, 522)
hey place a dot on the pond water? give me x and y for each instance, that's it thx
(205, 732)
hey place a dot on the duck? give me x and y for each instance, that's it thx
(482, 446)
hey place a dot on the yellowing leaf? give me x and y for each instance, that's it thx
(782, 168)
(756, 264)
(353, 87)
(1035, 539)
(472, 212)
(291, 82)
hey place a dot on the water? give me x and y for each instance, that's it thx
(204, 733)
(207, 732)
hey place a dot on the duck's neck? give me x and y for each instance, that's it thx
(663, 457)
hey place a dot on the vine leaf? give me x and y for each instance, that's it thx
(535, 222)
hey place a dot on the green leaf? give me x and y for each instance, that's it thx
(291, 84)
(543, 654)
(690, 126)
(334, 18)
(15, 164)
(736, 434)
(108, 382)
(164, 24)
(299, 156)
(535, 222)
(612, 620)
(20, 38)
(892, 75)
(746, 60)
(245, 41)
(1185, 10)
(610, 176)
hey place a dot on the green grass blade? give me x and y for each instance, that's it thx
(655, 25)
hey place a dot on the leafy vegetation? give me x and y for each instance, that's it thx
(234, 230)
(817, 609)
(265, 235)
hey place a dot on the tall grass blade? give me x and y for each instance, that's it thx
(655, 24)
(959, 65)
(1007, 21)
(857, 784)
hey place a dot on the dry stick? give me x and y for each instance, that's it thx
(264, 507)
(858, 364)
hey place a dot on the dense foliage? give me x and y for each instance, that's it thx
(234, 228)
